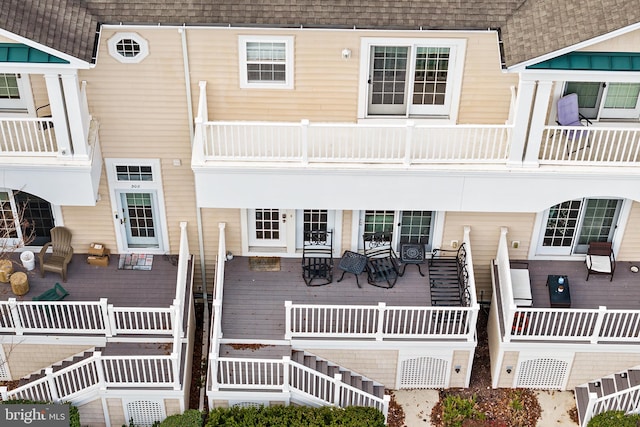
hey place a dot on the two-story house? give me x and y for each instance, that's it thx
(257, 123)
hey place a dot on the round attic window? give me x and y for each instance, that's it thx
(128, 47)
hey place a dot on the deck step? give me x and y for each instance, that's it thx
(622, 381)
(58, 366)
(582, 400)
(634, 377)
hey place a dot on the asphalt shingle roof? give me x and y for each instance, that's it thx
(529, 27)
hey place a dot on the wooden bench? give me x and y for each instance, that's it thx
(54, 294)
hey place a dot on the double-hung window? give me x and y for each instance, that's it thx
(266, 62)
(411, 77)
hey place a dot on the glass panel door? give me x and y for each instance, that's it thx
(599, 222)
(266, 227)
(621, 101)
(37, 218)
(589, 95)
(312, 220)
(388, 80)
(139, 219)
(430, 81)
(415, 227)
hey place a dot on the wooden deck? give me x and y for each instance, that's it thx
(253, 304)
(123, 288)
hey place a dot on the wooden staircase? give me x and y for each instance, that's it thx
(58, 366)
(606, 386)
(444, 281)
(328, 368)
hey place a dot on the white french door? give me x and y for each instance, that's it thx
(406, 226)
(267, 227)
(139, 213)
(568, 227)
(606, 100)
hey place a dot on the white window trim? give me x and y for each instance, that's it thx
(113, 50)
(242, 57)
(456, 68)
(23, 105)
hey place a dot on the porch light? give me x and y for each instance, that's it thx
(346, 53)
(457, 368)
(509, 369)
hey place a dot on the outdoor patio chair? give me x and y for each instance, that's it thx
(521, 284)
(569, 115)
(383, 267)
(317, 258)
(61, 255)
(54, 294)
(600, 259)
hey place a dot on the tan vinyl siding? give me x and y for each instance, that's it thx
(630, 246)
(40, 95)
(326, 85)
(92, 413)
(625, 43)
(172, 407)
(24, 359)
(505, 380)
(210, 220)
(380, 366)
(588, 366)
(460, 358)
(116, 412)
(485, 233)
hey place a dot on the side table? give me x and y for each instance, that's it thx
(354, 263)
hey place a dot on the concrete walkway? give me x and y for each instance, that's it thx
(417, 406)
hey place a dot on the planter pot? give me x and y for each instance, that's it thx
(28, 260)
(6, 268)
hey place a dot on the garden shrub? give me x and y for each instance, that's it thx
(456, 409)
(614, 419)
(293, 416)
(190, 418)
(74, 415)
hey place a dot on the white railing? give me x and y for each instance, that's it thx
(216, 314)
(306, 142)
(593, 326)
(95, 373)
(378, 322)
(143, 320)
(289, 376)
(28, 137)
(590, 145)
(627, 400)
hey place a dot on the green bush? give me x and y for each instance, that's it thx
(293, 416)
(190, 418)
(74, 415)
(614, 419)
(456, 409)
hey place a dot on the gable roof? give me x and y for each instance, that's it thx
(530, 28)
(540, 27)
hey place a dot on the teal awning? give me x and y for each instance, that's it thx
(18, 52)
(592, 61)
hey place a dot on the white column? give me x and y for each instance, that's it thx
(58, 114)
(526, 91)
(537, 123)
(79, 130)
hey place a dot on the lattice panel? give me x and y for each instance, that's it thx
(248, 404)
(424, 372)
(145, 412)
(4, 368)
(543, 374)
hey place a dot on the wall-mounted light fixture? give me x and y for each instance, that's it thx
(509, 369)
(457, 368)
(346, 53)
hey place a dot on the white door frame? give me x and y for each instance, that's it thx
(117, 187)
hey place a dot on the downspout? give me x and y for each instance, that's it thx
(205, 326)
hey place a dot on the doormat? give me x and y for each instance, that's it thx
(135, 262)
(264, 263)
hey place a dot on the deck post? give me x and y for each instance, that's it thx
(602, 312)
(102, 382)
(3, 393)
(304, 141)
(588, 413)
(286, 381)
(52, 385)
(288, 333)
(380, 326)
(15, 316)
(386, 399)
(175, 365)
(108, 317)
(337, 381)
(408, 141)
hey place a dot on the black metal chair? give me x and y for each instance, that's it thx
(383, 266)
(317, 258)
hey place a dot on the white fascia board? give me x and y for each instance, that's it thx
(579, 75)
(73, 61)
(522, 65)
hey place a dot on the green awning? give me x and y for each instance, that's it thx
(18, 52)
(592, 61)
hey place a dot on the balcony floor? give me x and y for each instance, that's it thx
(122, 288)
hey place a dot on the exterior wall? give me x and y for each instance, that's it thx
(381, 366)
(220, 404)
(92, 414)
(24, 359)
(210, 220)
(460, 358)
(116, 412)
(510, 359)
(485, 232)
(347, 222)
(172, 407)
(589, 366)
(322, 96)
(493, 337)
(625, 43)
(630, 246)
(39, 91)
